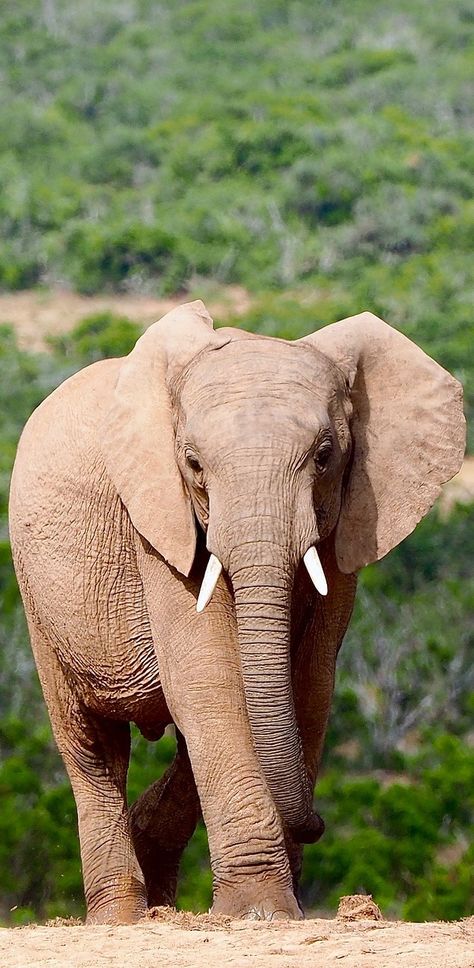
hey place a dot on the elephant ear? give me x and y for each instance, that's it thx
(408, 433)
(138, 441)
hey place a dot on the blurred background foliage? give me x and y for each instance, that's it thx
(318, 154)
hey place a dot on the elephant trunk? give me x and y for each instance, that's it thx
(262, 590)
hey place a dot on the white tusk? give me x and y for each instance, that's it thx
(209, 583)
(315, 570)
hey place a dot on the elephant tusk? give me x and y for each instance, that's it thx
(209, 583)
(315, 570)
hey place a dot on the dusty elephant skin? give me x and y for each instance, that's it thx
(255, 450)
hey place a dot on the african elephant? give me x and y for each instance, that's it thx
(293, 465)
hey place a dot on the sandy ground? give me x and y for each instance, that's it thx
(187, 941)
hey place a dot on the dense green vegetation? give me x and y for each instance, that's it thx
(323, 146)
(319, 154)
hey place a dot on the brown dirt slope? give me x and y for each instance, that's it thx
(186, 941)
(36, 314)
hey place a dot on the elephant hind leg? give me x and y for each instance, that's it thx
(96, 754)
(113, 880)
(162, 821)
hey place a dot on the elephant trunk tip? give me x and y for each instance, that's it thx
(310, 831)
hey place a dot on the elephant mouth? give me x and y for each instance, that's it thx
(311, 560)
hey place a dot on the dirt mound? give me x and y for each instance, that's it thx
(358, 907)
(173, 939)
(185, 919)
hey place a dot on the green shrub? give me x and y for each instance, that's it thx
(123, 255)
(99, 336)
(388, 838)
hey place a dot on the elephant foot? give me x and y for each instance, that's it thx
(246, 901)
(266, 911)
(126, 905)
(161, 869)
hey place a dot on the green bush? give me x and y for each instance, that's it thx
(123, 256)
(389, 839)
(99, 336)
(301, 130)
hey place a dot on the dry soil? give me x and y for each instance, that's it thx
(36, 314)
(185, 941)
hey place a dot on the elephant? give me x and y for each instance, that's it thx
(187, 524)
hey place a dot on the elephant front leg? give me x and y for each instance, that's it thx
(162, 821)
(201, 678)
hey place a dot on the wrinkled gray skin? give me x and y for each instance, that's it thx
(258, 449)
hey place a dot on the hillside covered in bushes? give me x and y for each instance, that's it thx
(324, 146)
(318, 154)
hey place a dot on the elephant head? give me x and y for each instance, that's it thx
(273, 446)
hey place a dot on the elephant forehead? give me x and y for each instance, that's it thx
(258, 368)
(228, 410)
(256, 421)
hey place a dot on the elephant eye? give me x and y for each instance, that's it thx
(322, 456)
(193, 463)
